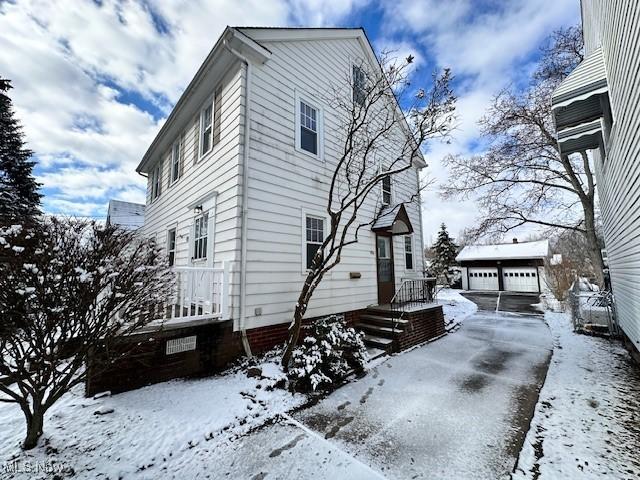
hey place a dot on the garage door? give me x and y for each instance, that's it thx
(520, 279)
(483, 278)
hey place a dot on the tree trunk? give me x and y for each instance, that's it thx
(298, 314)
(35, 424)
(594, 247)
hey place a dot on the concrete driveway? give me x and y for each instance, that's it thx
(456, 408)
(505, 301)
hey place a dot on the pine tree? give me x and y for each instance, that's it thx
(19, 197)
(445, 251)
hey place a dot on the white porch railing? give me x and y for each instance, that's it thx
(201, 292)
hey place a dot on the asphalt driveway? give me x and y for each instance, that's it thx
(456, 408)
(505, 301)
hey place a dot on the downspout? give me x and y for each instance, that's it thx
(245, 198)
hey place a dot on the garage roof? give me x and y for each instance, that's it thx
(506, 251)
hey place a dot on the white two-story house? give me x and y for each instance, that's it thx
(238, 182)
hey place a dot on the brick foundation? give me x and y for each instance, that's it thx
(424, 325)
(141, 360)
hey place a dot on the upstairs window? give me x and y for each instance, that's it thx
(200, 237)
(359, 79)
(386, 190)
(308, 128)
(217, 109)
(314, 237)
(206, 130)
(175, 162)
(156, 181)
(171, 246)
(408, 252)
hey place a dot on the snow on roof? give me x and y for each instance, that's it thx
(125, 214)
(505, 251)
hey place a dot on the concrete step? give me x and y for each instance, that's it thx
(378, 330)
(377, 342)
(374, 352)
(368, 318)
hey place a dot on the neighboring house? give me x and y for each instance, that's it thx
(511, 267)
(238, 182)
(598, 107)
(127, 215)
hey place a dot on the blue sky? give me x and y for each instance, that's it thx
(94, 79)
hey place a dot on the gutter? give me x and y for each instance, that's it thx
(245, 198)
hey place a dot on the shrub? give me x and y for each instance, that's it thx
(328, 353)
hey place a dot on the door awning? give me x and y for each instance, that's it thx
(580, 97)
(393, 220)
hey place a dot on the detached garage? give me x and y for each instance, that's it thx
(511, 267)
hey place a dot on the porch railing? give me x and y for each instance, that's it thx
(413, 293)
(201, 292)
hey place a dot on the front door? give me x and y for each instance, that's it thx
(384, 257)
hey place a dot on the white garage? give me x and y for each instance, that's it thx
(520, 279)
(510, 267)
(483, 278)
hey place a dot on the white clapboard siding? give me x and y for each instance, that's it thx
(283, 182)
(217, 171)
(615, 26)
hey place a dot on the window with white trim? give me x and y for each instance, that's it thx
(386, 190)
(408, 252)
(206, 129)
(175, 162)
(156, 181)
(171, 246)
(308, 127)
(358, 79)
(200, 236)
(314, 231)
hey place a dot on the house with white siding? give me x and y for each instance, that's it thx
(238, 180)
(597, 108)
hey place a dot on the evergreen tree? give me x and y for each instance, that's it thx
(19, 197)
(445, 251)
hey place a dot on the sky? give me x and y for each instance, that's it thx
(94, 79)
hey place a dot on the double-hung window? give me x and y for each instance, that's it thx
(156, 181)
(358, 80)
(171, 246)
(175, 162)
(206, 129)
(308, 128)
(386, 190)
(314, 237)
(200, 234)
(408, 252)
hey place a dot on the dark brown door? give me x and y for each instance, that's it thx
(384, 258)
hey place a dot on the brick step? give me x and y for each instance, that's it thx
(378, 330)
(381, 311)
(377, 342)
(371, 319)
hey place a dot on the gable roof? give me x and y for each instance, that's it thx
(505, 251)
(128, 215)
(247, 41)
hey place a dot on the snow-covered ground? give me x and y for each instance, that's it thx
(587, 420)
(161, 431)
(455, 307)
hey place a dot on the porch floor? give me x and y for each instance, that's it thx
(407, 307)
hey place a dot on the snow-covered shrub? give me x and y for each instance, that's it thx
(328, 353)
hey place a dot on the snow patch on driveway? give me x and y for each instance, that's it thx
(586, 421)
(455, 308)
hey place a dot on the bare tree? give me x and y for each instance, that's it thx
(59, 296)
(521, 178)
(378, 142)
